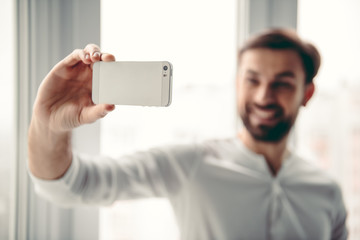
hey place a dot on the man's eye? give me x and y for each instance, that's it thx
(282, 85)
(252, 80)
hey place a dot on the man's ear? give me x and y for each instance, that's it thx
(309, 92)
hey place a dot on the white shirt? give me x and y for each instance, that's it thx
(218, 189)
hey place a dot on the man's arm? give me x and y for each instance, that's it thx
(63, 102)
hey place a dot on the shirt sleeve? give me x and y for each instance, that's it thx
(100, 180)
(339, 231)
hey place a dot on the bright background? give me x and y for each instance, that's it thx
(7, 115)
(328, 130)
(199, 39)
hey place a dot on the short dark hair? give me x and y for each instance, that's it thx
(287, 39)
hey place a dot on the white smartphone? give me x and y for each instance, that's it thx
(132, 83)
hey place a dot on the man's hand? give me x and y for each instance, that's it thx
(63, 102)
(64, 98)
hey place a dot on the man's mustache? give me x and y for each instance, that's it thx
(275, 107)
(267, 106)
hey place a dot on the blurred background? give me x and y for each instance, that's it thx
(200, 38)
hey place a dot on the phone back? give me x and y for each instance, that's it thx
(132, 83)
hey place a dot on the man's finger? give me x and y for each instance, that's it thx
(76, 56)
(94, 52)
(107, 57)
(91, 114)
(90, 48)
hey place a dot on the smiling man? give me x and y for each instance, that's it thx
(274, 81)
(247, 187)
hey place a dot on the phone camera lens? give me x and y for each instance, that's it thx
(165, 68)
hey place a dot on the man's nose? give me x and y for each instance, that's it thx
(264, 95)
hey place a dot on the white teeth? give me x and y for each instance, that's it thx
(265, 114)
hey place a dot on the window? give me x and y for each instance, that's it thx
(199, 39)
(7, 123)
(328, 130)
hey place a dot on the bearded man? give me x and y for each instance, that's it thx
(251, 186)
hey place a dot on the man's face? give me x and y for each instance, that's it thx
(270, 90)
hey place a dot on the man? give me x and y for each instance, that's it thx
(248, 187)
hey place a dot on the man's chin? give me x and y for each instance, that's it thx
(272, 131)
(269, 133)
(266, 138)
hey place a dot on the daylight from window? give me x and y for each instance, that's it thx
(202, 49)
(7, 138)
(328, 130)
(199, 39)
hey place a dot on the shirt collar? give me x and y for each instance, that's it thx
(256, 161)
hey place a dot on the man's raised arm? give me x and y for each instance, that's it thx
(63, 102)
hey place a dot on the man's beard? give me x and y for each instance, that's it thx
(266, 133)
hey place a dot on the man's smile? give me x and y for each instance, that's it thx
(264, 115)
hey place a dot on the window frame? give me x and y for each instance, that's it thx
(41, 41)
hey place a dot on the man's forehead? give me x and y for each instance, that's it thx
(263, 58)
(281, 74)
(268, 52)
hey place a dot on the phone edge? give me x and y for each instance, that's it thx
(95, 83)
(168, 90)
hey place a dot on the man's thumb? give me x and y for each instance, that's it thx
(96, 112)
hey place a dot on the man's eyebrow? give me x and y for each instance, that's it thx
(252, 72)
(285, 74)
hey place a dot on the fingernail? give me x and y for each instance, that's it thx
(87, 56)
(110, 107)
(96, 54)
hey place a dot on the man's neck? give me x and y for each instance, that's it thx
(274, 153)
